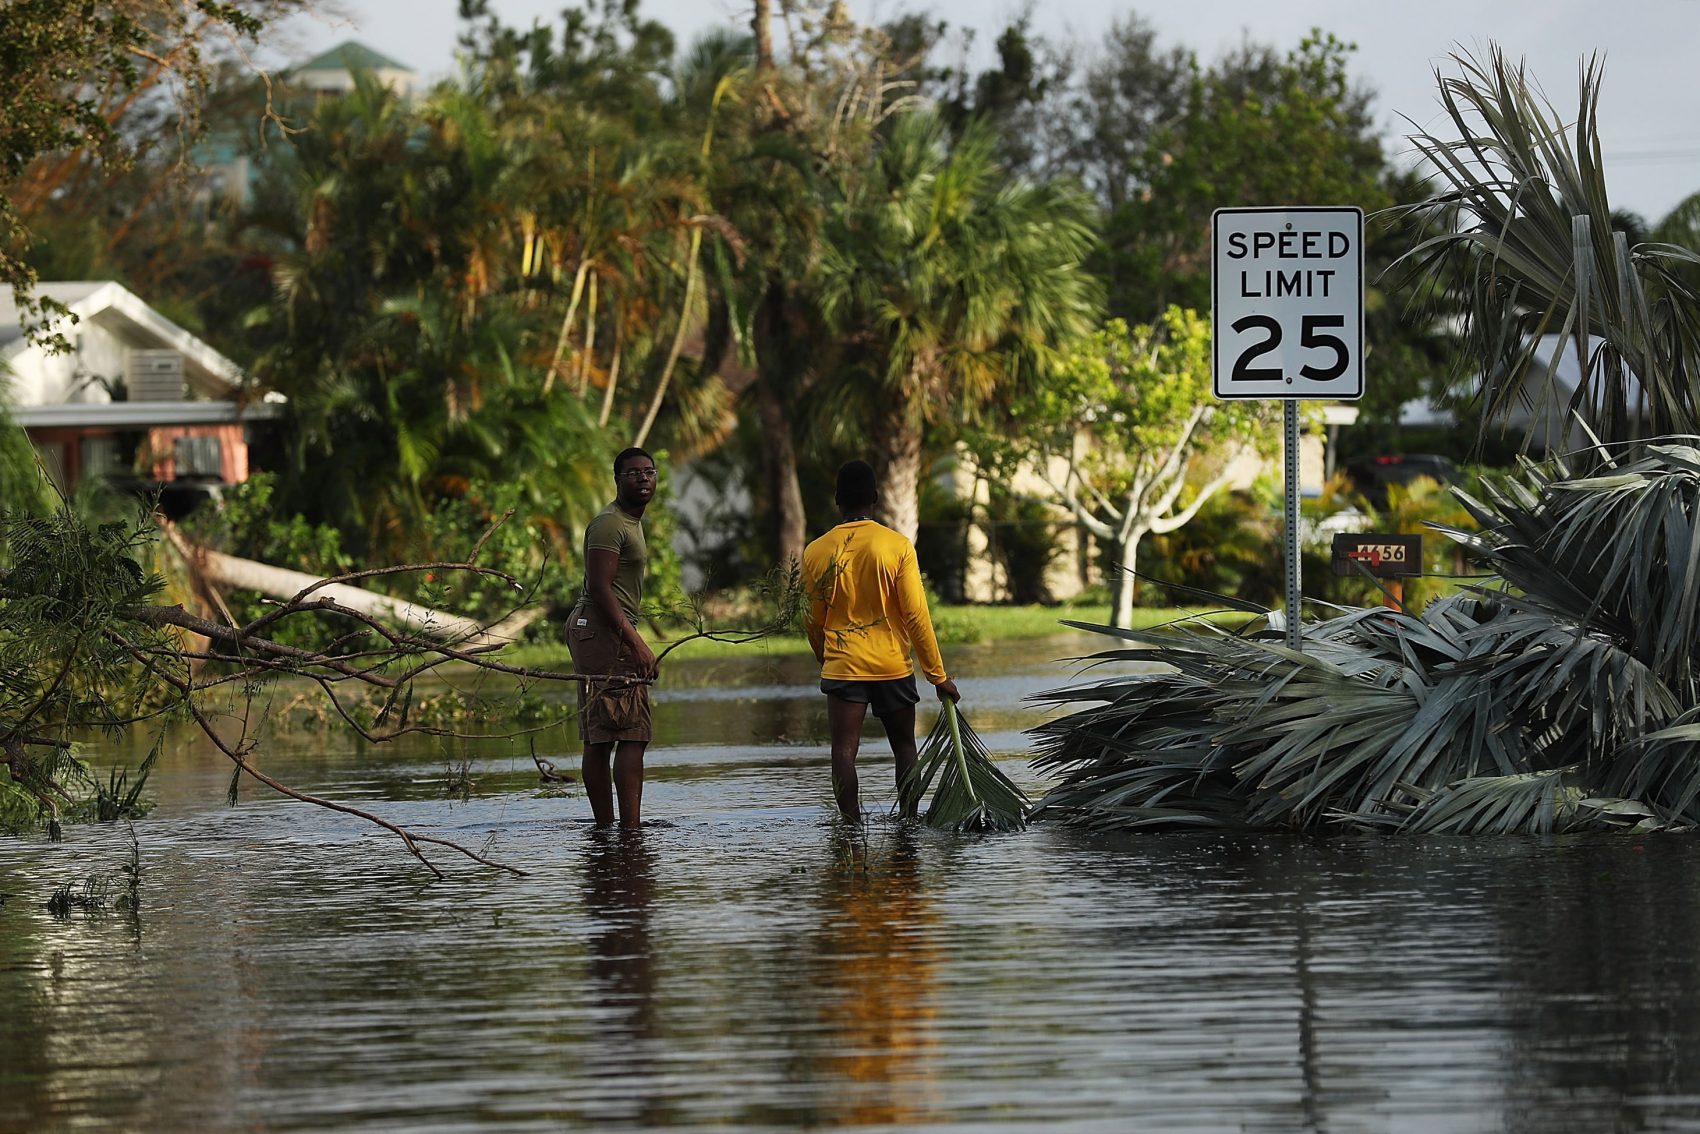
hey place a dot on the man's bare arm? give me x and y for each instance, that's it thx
(599, 566)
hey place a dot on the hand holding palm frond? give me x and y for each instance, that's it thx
(971, 793)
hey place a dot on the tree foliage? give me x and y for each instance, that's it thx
(1528, 239)
(1256, 129)
(952, 286)
(463, 287)
(1128, 437)
(84, 85)
(87, 644)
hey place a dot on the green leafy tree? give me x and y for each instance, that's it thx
(1128, 90)
(409, 371)
(788, 131)
(602, 147)
(67, 644)
(1256, 129)
(24, 487)
(83, 87)
(1128, 438)
(605, 52)
(87, 643)
(766, 323)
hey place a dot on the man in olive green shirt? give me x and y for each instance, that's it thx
(614, 716)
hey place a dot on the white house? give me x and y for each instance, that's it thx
(135, 395)
(1071, 573)
(1538, 412)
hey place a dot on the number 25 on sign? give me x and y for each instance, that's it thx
(1288, 302)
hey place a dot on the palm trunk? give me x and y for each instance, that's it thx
(565, 338)
(780, 451)
(777, 366)
(694, 246)
(588, 355)
(761, 24)
(613, 369)
(896, 453)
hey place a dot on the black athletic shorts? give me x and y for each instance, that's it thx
(883, 697)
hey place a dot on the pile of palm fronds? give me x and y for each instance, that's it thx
(971, 793)
(1564, 695)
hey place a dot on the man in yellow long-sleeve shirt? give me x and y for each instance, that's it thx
(867, 613)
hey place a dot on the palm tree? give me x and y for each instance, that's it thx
(1530, 241)
(947, 283)
(763, 325)
(413, 364)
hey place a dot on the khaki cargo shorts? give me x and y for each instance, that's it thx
(608, 712)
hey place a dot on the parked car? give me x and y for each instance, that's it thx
(1372, 475)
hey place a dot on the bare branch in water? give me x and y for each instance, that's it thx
(84, 646)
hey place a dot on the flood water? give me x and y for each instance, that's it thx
(747, 962)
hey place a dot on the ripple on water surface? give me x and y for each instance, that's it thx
(747, 962)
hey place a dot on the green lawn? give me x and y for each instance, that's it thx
(955, 625)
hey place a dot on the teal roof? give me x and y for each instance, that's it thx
(352, 56)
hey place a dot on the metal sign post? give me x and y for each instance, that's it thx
(1287, 322)
(1295, 580)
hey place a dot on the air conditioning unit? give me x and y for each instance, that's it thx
(154, 376)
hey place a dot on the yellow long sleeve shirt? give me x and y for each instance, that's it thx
(867, 608)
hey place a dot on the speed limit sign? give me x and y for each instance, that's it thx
(1287, 317)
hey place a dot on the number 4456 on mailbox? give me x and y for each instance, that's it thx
(1382, 554)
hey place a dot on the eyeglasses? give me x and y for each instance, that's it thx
(639, 474)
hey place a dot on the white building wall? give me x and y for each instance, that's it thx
(985, 579)
(39, 378)
(399, 80)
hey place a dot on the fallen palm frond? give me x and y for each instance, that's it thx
(970, 793)
(1560, 697)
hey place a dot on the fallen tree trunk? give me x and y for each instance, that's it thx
(86, 645)
(286, 585)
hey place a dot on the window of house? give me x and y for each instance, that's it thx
(197, 456)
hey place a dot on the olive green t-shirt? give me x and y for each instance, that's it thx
(614, 529)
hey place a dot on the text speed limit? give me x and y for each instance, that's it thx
(1287, 316)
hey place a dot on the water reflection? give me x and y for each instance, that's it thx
(619, 886)
(1605, 1008)
(878, 973)
(752, 965)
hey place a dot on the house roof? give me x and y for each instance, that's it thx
(70, 294)
(140, 415)
(120, 311)
(351, 56)
(1553, 355)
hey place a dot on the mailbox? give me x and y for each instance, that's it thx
(1383, 555)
